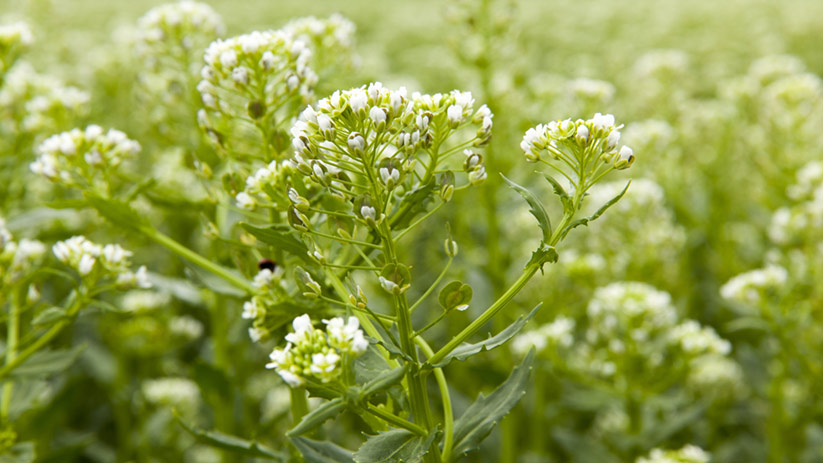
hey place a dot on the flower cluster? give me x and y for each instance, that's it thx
(634, 330)
(750, 287)
(17, 258)
(14, 38)
(180, 393)
(313, 354)
(271, 286)
(370, 140)
(265, 186)
(176, 31)
(588, 149)
(247, 79)
(82, 157)
(801, 222)
(331, 38)
(688, 454)
(96, 262)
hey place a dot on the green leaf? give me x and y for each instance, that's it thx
(535, 207)
(232, 443)
(213, 282)
(466, 350)
(480, 418)
(321, 452)
(395, 446)
(45, 363)
(598, 213)
(544, 254)
(383, 381)
(317, 417)
(568, 207)
(455, 295)
(279, 238)
(117, 212)
(49, 316)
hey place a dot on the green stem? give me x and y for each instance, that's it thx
(448, 414)
(395, 420)
(478, 323)
(42, 340)
(186, 253)
(433, 285)
(299, 404)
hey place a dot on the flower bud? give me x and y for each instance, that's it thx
(357, 144)
(582, 134)
(625, 158)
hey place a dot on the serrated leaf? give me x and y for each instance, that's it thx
(535, 207)
(480, 418)
(49, 316)
(232, 443)
(466, 350)
(598, 213)
(544, 254)
(46, 362)
(321, 451)
(568, 207)
(117, 212)
(279, 238)
(317, 417)
(395, 446)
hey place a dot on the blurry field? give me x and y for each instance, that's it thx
(722, 103)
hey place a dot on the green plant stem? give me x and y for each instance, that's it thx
(395, 420)
(188, 254)
(433, 285)
(44, 339)
(448, 414)
(12, 338)
(478, 323)
(299, 404)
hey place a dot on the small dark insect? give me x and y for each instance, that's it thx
(267, 264)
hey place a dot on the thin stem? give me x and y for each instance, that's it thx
(448, 414)
(186, 253)
(431, 323)
(418, 221)
(344, 240)
(395, 420)
(433, 285)
(12, 337)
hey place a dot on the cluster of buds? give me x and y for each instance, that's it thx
(17, 258)
(83, 157)
(331, 38)
(370, 139)
(246, 79)
(95, 262)
(14, 38)
(265, 186)
(176, 31)
(801, 223)
(558, 334)
(688, 454)
(314, 354)
(588, 149)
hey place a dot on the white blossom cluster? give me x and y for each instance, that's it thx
(750, 287)
(31, 102)
(248, 77)
(271, 286)
(661, 65)
(264, 187)
(74, 158)
(95, 262)
(688, 454)
(17, 258)
(559, 334)
(315, 354)
(176, 28)
(587, 147)
(14, 37)
(180, 393)
(137, 301)
(332, 36)
(186, 327)
(801, 222)
(354, 137)
(633, 329)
